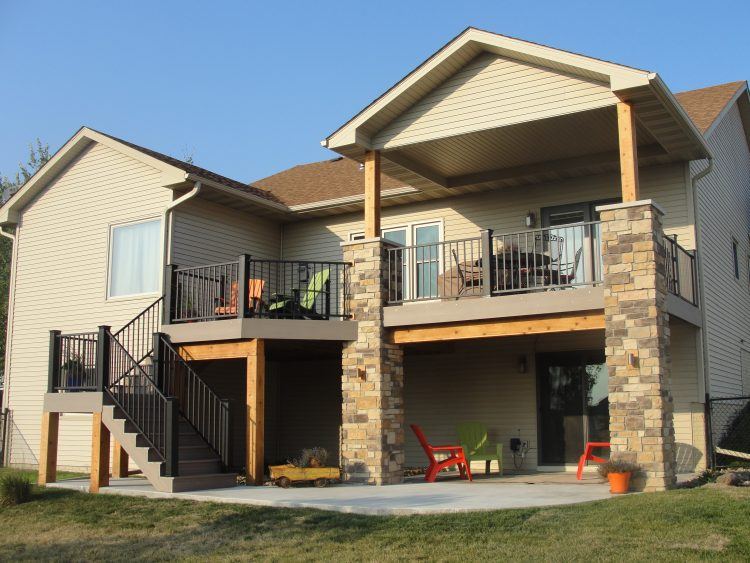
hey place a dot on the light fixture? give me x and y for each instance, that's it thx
(632, 360)
(522, 364)
(530, 219)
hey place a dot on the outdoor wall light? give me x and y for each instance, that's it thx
(632, 360)
(522, 364)
(530, 219)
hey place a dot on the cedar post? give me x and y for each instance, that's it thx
(99, 454)
(256, 375)
(120, 461)
(48, 448)
(628, 151)
(372, 194)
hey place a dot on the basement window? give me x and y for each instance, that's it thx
(134, 258)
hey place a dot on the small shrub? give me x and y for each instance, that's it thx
(311, 457)
(617, 466)
(15, 488)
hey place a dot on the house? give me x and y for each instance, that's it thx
(546, 242)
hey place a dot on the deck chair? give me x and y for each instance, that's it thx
(455, 457)
(571, 275)
(254, 299)
(301, 304)
(473, 439)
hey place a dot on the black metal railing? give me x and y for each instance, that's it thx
(154, 414)
(203, 409)
(271, 289)
(681, 272)
(548, 258)
(441, 269)
(137, 336)
(539, 259)
(72, 362)
(729, 424)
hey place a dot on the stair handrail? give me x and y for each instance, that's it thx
(137, 335)
(202, 408)
(153, 413)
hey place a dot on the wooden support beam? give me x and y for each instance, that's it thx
(628, 151)
(517, 326)
(256, 378)
(372, 194)
(48, 448)
(120, 460)
(217, 350)
(99, 454)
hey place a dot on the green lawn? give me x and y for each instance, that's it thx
(700, 523)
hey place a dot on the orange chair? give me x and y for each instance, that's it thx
(254, 296)
(587, 455)
(455, 457)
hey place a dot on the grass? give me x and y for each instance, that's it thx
(694, 524)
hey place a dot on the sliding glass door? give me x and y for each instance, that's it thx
(573, 402)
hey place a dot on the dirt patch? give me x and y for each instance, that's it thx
(711, 542)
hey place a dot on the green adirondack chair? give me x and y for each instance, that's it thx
(301, 304)
(473, 439)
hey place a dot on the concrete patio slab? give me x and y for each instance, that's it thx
(413, 497)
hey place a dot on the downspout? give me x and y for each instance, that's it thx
(702, 303)
(9, 320)
(167, 223)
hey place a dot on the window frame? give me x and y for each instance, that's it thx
(110, 255)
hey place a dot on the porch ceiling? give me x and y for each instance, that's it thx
(489, 111)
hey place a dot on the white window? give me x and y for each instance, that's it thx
(134, 258)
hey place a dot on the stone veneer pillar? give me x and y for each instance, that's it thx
(637, 341)
(372, 448)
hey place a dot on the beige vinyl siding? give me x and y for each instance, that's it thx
(686, 390)
(206, 233)
(724, 208)
(61, 283)
(492, 91)
(480, 380)
(501, 210)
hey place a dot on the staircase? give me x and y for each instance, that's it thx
(169, 421)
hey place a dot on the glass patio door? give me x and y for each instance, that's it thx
(573, 403)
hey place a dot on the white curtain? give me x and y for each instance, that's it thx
(135, 261)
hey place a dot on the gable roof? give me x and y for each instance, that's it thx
(704, 105)
(195, 170)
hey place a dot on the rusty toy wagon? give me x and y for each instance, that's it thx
(285, 475)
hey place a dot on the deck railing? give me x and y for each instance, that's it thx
(202, 408)
(72, 362)
(249, 287)
(538, 259)
(681, 272)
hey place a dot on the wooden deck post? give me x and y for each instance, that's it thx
(256, 377)
(628, 151)
(120, 460)
(372, 194)
(48, 448)
(99, 454)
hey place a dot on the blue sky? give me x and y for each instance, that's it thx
(250, 88)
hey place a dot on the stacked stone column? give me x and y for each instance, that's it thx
(637, 342)
(372, 448)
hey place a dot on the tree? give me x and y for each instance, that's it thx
(38, 157)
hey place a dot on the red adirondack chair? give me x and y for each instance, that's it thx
(455, 457)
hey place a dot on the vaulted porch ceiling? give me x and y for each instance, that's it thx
(488, 111)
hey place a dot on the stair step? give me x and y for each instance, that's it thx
(186, 483)
(197, 451)
(199, 466)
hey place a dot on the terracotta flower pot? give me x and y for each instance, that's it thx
(619, 483)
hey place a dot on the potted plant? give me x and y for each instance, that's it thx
(618, 473)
